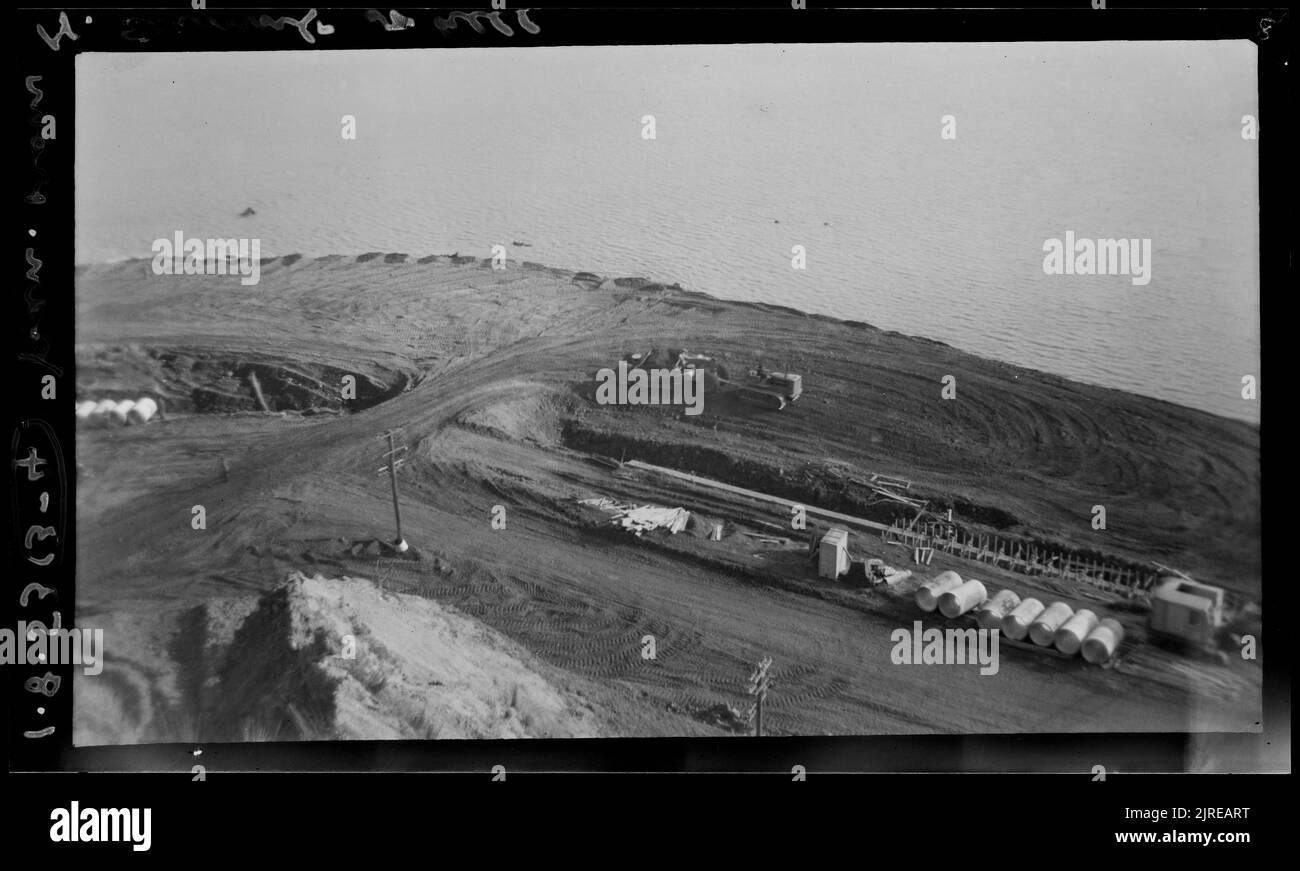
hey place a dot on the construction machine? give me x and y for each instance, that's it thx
(784, 387)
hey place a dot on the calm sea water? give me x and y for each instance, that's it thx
(758, 148)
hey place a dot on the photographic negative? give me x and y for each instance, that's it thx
(668, 390)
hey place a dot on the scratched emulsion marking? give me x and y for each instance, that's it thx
(40, 532)
(28, 457)
(36, 198)
(32, 463)
(47, 685)
(34, 476)
(453, 19)
(37, 93)
(40, 591)
(141, 30)
(65, 29)
(38, 482)
(395, 20)
(34, 305)
(300, 24)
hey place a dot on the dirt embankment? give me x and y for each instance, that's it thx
(486, 373)
(334, 659)
(1017, 451)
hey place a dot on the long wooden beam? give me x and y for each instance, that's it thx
(754, 494)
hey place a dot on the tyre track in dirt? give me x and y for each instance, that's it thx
(1034, 445)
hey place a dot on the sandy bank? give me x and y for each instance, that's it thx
(488, 375)
(332, 659)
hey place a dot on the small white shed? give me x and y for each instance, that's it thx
(833, 557)
(1187, 610)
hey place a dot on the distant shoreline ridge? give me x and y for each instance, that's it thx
(381, 258)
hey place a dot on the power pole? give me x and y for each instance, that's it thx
(394, 461)
(759, 684)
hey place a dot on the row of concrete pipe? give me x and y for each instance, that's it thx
(1055, 625)
(117, 410)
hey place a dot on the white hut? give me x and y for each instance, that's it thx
(1184, 609)
(833, 556)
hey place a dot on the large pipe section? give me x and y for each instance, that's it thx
(963, 598)
(1103, 641)
(1043, 630)
(927, 597)
(115, 411)
(1016, 624)
(1069, 638)
(121, 410)
(991, 614)
(144, 410)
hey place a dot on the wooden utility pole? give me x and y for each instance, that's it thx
(393, 463)
(759, 683)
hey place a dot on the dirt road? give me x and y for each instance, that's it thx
(488, 374)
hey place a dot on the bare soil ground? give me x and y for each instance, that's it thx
(489, 375)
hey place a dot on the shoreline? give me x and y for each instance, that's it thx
(873, 396)
(488, 376)
(754, 305)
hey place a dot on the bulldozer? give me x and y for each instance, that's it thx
(759, 383)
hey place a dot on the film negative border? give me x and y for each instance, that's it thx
(43, 461)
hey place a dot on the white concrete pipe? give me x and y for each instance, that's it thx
(85, 409)
(1103, 641)
(121, 410)
(1043, 630)
(959, 600)
(927, 597)
(994, 611)
(1069, 638)
(144, 409)
(102, 414)
(1016, 624)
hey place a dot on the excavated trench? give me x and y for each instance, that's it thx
(812, 484)
(195, 381)
(809, 483)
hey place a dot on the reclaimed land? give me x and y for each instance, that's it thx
(490, 377)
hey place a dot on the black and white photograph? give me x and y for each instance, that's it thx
(668, 390)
